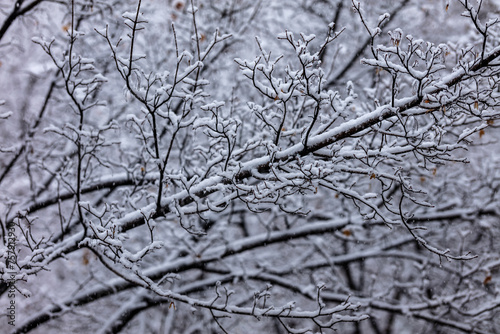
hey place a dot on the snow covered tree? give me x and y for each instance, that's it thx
(238, 166)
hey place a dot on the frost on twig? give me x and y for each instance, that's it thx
(302, 167)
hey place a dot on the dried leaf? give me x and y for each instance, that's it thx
(481, 133)
(373, 176)
(179, 5)
(476, 105)
(86, 258)
(489, 122)
(346, 232)
(487, 280)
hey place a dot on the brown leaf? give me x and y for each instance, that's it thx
(86, 258)
(346, 232)
(179, 5)
(481, 133)
(487, 280)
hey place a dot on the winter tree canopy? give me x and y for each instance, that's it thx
(240, 166)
